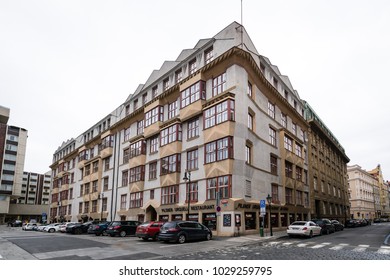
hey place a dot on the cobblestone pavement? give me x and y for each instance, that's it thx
(285, 249)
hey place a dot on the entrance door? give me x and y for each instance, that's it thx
(151, 214)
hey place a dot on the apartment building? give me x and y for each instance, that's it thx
(206, 138)
(12, 154)
(364, 194)
(328, 178)
(384, 192)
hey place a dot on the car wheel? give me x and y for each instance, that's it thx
(155, 237)
(181, 239)
(122, 233)
(145, 238)
(311, 234)
(208, 236)
(52, 230)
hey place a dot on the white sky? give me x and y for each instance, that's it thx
(64, 65)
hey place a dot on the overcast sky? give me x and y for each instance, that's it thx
(64, 65)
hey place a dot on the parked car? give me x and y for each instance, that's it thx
(351, 223)
(182, 231)
(122, 228)
(337, 225)
(325, 224)
(41, 227)
(15, 223)
(79, 228)
(99, 229)
(303, 228)
(64, 225)
(29, 226)
(148, 230)
(377, 220)
(52, 227)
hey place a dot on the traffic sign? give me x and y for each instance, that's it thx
(262, 207)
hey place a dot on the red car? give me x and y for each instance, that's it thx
(148, 230)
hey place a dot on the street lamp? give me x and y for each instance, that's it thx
(269, 200)
(187, 177)
(101, 196)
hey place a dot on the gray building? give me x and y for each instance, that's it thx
(12, 154)
(205, 138)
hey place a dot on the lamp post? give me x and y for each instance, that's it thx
(187, 177)
(101, 196)
(269, 200)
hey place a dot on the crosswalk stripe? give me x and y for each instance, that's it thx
(321, 245)
(361, 248)
(339, 247)
(384, 250)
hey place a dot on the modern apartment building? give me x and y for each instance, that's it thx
(328, 178)
(364, 194)
(12, 154)
(206, 138)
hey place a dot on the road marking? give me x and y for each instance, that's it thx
(339, 247)
(320, 245)
(384, 250)
(361, 248)
(302, 245)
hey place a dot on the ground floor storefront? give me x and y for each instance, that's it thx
(231, 218)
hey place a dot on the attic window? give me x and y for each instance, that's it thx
(208, 55)
(154, 91)
(166, 84)
(192, 66)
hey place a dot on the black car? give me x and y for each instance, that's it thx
(182, 231)
(98, 229)
(122, 228)
(337, 225)
(326, 225)
(351, 223)
(79, 228)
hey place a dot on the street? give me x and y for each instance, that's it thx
(363, 243)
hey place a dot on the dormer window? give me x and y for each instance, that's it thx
(166, 84)
(208, 55)
(192, 66)
(154, 91)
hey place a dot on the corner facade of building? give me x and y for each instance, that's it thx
(206, 138)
